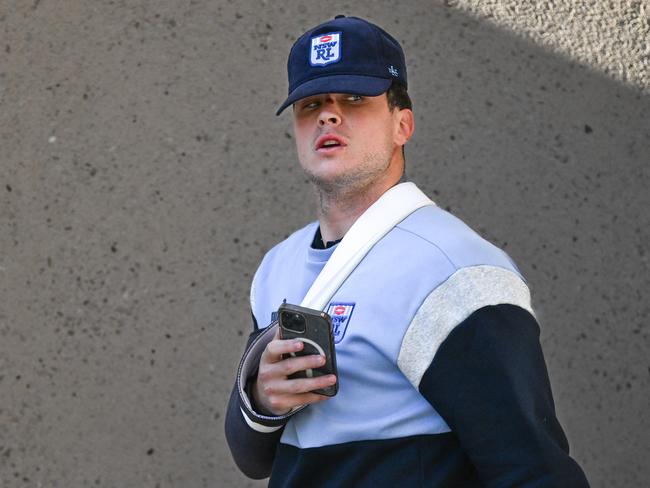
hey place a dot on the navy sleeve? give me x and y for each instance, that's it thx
(488, 380)
(252, 451)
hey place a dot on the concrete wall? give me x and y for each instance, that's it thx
(143, 175)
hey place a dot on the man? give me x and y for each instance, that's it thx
(442, 381)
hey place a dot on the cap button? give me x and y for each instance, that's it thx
(339, 16)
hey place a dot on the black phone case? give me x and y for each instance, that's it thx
(318, 328)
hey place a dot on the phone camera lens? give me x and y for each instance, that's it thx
(293, 321)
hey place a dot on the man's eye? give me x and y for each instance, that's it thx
(354, 98)
(308, 105)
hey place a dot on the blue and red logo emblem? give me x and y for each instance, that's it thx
(340, 313)
(325, 49)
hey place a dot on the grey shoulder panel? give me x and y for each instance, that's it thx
(464, 292)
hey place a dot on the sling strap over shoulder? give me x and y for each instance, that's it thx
(378, 220)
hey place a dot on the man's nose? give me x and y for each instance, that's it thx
(329, 116)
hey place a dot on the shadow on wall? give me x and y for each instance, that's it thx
(144, 174)
(548, 159)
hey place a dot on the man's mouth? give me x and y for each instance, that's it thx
(329, 142)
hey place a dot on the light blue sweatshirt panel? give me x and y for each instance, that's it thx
(287, 272)
(462, 245)
(375, 400)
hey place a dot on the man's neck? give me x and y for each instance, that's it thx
(338, 210)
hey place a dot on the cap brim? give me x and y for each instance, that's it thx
(369, 86)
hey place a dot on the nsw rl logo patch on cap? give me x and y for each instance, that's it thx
(325, 49)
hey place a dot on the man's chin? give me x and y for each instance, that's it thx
(327, 183)
(338, 184)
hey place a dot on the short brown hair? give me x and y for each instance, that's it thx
(398, 97)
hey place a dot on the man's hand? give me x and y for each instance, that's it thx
(273, 392)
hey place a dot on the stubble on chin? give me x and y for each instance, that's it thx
(356, 180)
(350, 185)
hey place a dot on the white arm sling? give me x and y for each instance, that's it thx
(378, 220)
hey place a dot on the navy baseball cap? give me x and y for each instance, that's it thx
(344, 55)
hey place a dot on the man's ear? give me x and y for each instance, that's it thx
(405, 127)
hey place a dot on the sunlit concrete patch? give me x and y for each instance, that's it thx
(611, 37)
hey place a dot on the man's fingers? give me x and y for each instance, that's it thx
(269, 372)
(300, 363)
(282, 404)
(282, 396)
(274, 391)
(277, 347)
(297, 387)
(310, 398)
(306, 385)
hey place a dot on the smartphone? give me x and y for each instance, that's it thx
(314, 329)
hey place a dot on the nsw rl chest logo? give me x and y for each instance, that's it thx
(341, 314)
(325, 49)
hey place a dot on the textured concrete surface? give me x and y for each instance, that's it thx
(143, 175)
(610, 36)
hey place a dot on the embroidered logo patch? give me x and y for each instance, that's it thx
(340, 313)
(325, 49)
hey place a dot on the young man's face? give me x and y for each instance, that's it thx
(349, 142)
